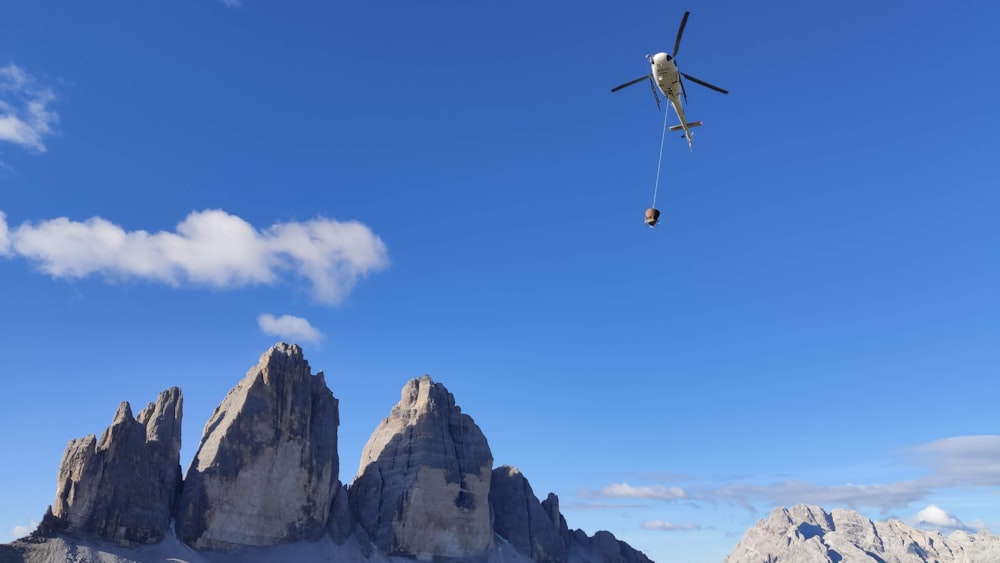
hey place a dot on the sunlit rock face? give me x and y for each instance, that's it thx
(122, 486)
(267, 469)
(807, 534)
(422, 489)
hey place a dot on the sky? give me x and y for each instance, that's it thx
(451, 188)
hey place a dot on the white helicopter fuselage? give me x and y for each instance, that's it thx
(668, 80)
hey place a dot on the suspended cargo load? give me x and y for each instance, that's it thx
(652, 216)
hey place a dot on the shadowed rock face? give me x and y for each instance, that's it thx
(533, 529)
(603, 546)
(806, 533)
(341, 523)
(422, 489)
(122, 486)
(267, 469)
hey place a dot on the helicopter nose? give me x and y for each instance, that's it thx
(660, 58)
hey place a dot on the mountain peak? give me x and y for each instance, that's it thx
(809, 533)
(267, 468)
(423, 485)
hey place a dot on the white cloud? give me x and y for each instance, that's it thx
(20, 531)
(656, 492)
(883, 496)
(289, 327)
(968, 463)
(209, 247)
(4, 235)
(961, 461)
(25, 118)
(662, 526)
(936, 518)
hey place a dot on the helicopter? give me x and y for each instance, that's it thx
(667, 77)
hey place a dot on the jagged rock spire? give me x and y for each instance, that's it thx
(122, 486)
(531, 527)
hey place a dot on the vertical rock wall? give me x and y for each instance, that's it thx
(267, 469)
(522, 520)
(122, 486)
(423, 486)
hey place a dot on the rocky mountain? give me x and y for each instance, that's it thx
(520, 518)
(122, 486)
(275, 434)
(424, 482)
(264, 486)
(807, 534)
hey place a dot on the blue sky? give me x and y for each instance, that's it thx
(450, 188)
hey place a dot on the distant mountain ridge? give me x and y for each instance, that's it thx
(264, 486)
(808, 534)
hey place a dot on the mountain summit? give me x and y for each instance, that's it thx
(808, 534)
(424, 482)
(267, 468)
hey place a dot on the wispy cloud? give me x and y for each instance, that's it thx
(21, 531)
(25, 117)
(4, 236)
(883, 496)
(232, 3)
(289, 327)
(963, 461)
(662, 526)
(654, 492)
(209, 247)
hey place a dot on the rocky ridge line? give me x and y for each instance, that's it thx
(263, 486)
(807, 534)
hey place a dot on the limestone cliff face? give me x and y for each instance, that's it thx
(267, 469)
(422, 489)
(264, 486)
(805, 533)
(533, 529)
(122, 486)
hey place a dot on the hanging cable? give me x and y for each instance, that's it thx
(659, 162)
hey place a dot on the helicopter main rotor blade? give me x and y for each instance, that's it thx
(631, 82)
(680, 31)
(703, 83)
